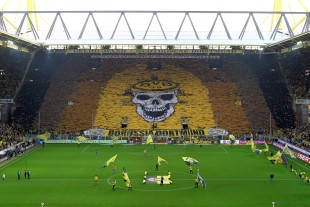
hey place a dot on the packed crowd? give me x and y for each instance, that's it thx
(9, 136)
(296, 66)
(299, 136)
(13, 141)
(276, 93)
(272, 82)
(12, 66)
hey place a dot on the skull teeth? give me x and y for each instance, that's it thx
(155, 109)
(158, 118)
(155, 114)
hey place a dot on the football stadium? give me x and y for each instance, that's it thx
(165, 103)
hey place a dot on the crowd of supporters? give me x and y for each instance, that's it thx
(296, 67)
(276, 81)
(13, 141)
(12, 67)
(299, 136)
(10, 135)
(31, 95)
(276, 93)
(251, 96)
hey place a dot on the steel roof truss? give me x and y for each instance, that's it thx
(160, 26)
(176, 39)
(290, 31)
(33, 29)
(148, 27)
(119, 19)
(307, 24)
(256, 26)
(2, 23)
(84, 26)
(213, 25)
(275, 31)
(226, 30)
(90, 14)
(64, 27)
(244, 28)
(133, 37)
(155, 14)
(187, 15)
(53, 25)
(276, 28)
(20, 25)
(97, 28)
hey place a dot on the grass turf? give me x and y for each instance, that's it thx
(62, 175)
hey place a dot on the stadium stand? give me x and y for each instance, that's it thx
(12, 67)
(299, 136)
(10, 135)
(296, 66)
(64, 93)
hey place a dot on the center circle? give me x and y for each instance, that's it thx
(191, 178)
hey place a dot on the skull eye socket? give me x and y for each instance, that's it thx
(143, 97)
(166, 97)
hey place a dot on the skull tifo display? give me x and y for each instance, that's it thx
(155, 100)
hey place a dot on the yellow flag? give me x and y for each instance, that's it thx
(267, 148)
(112, 159)
(44, 136)
(253, 146)
(287, 151)
(250, 142)
(149, 139)
(126, 179)
(232, 137)
(276, 158)
(161, 160)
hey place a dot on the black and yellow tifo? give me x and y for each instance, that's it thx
(178, 100)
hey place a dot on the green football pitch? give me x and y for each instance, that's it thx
(62, 175)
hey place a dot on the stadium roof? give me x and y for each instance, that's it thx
(195, 25)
